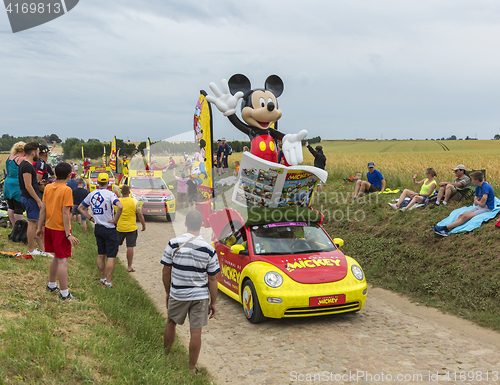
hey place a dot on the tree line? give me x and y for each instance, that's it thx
(94, 148)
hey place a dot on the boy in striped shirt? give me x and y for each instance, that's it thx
(190, 268)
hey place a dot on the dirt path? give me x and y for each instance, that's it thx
(389, 339)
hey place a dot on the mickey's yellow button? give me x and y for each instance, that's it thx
(262, 146)
(271, 146)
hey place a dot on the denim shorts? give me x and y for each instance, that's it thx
(75, 211)
(31, 208)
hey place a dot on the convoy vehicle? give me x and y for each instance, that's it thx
(149, 188)
(288, 267)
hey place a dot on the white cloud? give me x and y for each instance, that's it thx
(365, 68)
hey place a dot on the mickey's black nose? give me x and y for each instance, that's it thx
(270, 106)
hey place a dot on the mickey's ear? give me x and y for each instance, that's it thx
(275, 85)
(239, 82)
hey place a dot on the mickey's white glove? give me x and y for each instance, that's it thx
(224, 101)
(292, 147)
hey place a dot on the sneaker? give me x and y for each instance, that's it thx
(54, 290)
(394, 206)
(108, 285)
(38, 253)
(69, 297)
(437, 228)
(442, 233)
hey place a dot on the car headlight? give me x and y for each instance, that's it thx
(138, 197)
(273, 279)
(357, 272)
(170, 198)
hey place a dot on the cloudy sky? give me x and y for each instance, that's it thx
(352, 69)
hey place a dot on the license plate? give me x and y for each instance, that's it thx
(327, 300)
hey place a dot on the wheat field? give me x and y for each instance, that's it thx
(398, 161)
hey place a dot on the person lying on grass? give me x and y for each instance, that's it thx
(428, 186)
(484, 201)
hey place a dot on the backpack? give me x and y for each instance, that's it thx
(230, 152)
(19, 232)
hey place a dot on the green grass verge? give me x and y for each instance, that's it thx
(399, 251)
(112, 336)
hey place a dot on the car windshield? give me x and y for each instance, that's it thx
(290, 238)
(95, 174)
(147, 183)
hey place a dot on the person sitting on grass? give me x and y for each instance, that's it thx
(449, 189)
(427, 189)
(171, 164)
(484, 201)
(56, 205)
(376, 182)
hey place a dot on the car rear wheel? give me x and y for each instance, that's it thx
(251, 306)
(171, 217)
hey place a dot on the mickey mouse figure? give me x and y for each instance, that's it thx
(259, 110)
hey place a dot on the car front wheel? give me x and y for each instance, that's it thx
(171, 217)
(251, 306)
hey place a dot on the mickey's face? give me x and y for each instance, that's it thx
(261, 110)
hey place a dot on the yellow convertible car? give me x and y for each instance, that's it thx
(285, 268)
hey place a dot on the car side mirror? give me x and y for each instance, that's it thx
(239, 249)
(339, 242)
(170, 187)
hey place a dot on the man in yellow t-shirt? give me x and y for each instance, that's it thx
(126, 226)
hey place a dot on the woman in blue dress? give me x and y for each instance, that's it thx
(11, 190)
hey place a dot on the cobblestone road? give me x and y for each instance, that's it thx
(390, 341)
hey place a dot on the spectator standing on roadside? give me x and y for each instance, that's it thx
(181, 190)
(192, 194)
(30, 196)
(127, 226)
(319, 160)
(281, 154)
(86, 164)
(57, 202)
(101, 200)
(236, 168)
(223, 152)
(44, 172)
(12, 191)
(72, 183)
(190, 281)
(79, 194)
(218, 162)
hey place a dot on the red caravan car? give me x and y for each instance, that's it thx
(92, 174)
(290, 268)
(149, 188)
